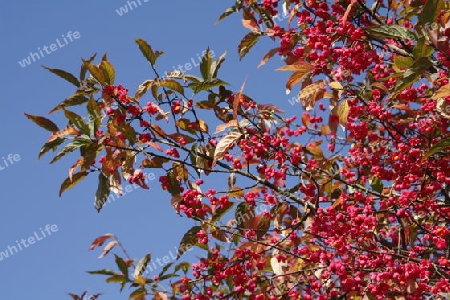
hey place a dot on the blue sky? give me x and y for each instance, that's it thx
(143, 220)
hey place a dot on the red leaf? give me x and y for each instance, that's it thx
(100, 240)
(154, 145)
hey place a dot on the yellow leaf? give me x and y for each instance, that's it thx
(203, 126)
(140, 280)
(336, 85)
(237, 192)
(442, 92)
(268, 56)
(343, 113)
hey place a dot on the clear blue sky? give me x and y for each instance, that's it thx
(143, 220)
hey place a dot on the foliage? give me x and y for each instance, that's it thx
(354, 207)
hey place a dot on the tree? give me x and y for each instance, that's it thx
(352, 201)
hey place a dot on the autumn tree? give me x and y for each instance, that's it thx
(347, 199)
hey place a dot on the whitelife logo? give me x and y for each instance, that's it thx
(124, 9)
(31, 240)
(53, 47)
(11, 158)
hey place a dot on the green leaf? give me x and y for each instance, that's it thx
(247, 43)
(404, 83)
(75, 99)
(226, 13)
(377, 185)
(189, 239)
(430, 12)
(419, 67)
(77, 120)
(53, 145)
(68, 184)
(102, 191)
(77, 143)
(411, 75)
(437, 147)
(216, 65)
(178, 75)
(103, 272)
(422, 49)
(391, 31)
(64, 75)
(167, 276)
(90, 153)
(129, 132)
(117, 278)
(403, 62)
(262, 227)
(43, 122)
(206, 104)
(221, 211)
(95, 72)
(205, 65)
(184, 266)
(148, 52)
(206, 85)
(94, 116)
(171, 84)
(138, 294)
(83, 69)
(122, 265)
(108, 71)
(244, 215)
(142, 265)
(174, 184)
(164, 270)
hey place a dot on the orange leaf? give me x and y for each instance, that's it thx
(78, 163)
(306, 119)
(347, 12)
(311, 93)
(222, 127)
(158, 131)
(268, 56)
(295, 78)
(300, 66)
(250, 24)
(315, 150)
(324, 129)
(65, 131)
(225, 144)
